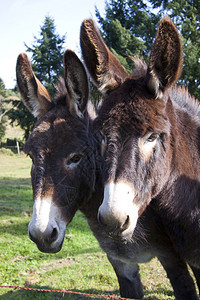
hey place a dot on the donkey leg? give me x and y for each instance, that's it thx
(128, 277)
(196, 273)
(179, 276)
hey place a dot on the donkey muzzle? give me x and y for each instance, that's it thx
(46, 227)
(118, 214)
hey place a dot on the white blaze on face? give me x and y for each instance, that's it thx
(118, 204)
(42, 211)
(46, 216)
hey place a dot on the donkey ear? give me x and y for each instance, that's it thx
(34, 94)
(165, 62)
(76, 82)
(106, 71)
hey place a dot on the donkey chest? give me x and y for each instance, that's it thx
(131, 253)
(135, 257)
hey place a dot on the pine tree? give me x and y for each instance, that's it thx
(2, 88)
(20, 116)
(47, 63)
(2, 109)
(129, 27)
(47, 54)
(186, 15)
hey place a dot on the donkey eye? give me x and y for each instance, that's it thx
(74, 159)
(151, 138)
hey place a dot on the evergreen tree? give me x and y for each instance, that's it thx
(186, 15)
(47, 63)
(20, 116)
(47, 54)
(2, 88)
(129, 27)
(2, 109)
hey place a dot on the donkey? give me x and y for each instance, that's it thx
(67, 167)
(67, 175)
(152, 132)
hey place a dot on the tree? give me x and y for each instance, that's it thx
(20, 116)
(47, 63)
(128, 29)
(2, 109)
(2, 121)
(2, 88)
(186, 16)
(47, 54)
(139, 21)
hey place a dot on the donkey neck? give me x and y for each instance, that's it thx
(185, 137)
(183, 186)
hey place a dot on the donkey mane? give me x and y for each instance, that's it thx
(178, 94)
(140, 68)
(182, 98)
(61, 89)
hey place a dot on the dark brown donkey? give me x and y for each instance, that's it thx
(152, 166)
(66, 171)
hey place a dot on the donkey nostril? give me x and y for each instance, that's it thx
(126, 224)
(54, 234)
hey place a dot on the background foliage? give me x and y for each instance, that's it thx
(47, 63)
(2, 109)
(47, 55)
(129, 28)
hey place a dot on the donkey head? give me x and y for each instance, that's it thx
(61, 150)
(134, 119)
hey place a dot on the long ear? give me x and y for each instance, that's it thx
(106, 71)
(165, 62)
(76, 82)
(34, 94)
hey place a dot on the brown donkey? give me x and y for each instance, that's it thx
(62, 150)
(152, 167)
(67, 168)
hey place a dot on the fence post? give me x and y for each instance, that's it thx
(18, 150)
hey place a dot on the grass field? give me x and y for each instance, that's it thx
(14, 132)
(79, 266)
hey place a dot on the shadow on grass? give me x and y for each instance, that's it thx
(40, 295)
(20, 228)
(15, 196)
(159, 291)
(16, 229)
(15, 182)
(75, 294)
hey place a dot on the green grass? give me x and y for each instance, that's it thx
(79, 266)
(13, 132)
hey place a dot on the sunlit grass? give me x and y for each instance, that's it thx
(13, 132)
